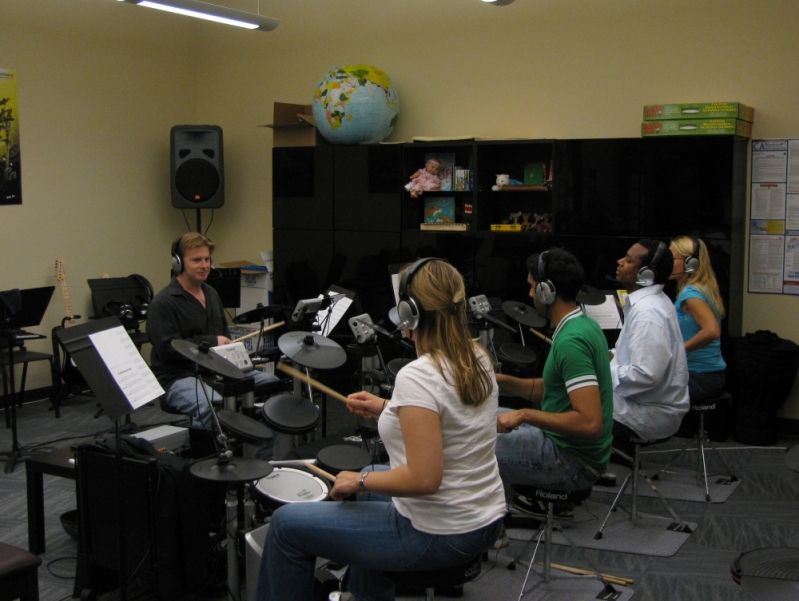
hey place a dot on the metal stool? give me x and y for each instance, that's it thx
(19, 574)
(637, 469)
(701, 437)
(551, 496)
(430, 580)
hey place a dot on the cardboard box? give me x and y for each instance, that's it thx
(699, 110)
(697, 127)
(257, 282)
(294, 125)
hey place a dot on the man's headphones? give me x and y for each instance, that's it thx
(691, 263)
(545, 290)
(128, 314)
(409, 309)
(177, 257)
(646, 273)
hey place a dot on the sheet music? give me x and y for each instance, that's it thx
(329, 318)
(395, 279)
(126, 365)
(606, 314)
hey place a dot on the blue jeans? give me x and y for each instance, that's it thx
(703, 386)
(527, 456)
(187, 396)
(369, 535)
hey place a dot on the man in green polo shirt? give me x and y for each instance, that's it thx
(566, 443)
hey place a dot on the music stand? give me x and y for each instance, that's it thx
(122, 382)
(32, 305)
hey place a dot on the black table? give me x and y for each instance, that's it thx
(55, 463)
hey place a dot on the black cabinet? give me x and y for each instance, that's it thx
(302, 188)
(367, 188)
(342, 215)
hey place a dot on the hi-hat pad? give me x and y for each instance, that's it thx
(312, 350)
(258, 314)
(236, 469)
(524, 314)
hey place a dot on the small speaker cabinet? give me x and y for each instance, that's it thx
(197, 167)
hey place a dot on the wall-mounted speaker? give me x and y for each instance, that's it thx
(197, 167)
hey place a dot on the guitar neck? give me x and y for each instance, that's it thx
(67, 303)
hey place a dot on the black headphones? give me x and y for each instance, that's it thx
(177, 257)
(691, 263)
(127, 313)
(646, 274)
(409, 309)
(545, 290)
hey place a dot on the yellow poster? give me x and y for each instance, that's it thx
(10, 162)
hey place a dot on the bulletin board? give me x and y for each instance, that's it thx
(774, 217)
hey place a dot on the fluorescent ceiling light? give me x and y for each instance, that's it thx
(499, 2)
(211, 12)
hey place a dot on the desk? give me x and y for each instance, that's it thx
(54, 463)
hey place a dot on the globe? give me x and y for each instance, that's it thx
(355, 104)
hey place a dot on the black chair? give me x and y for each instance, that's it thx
(23, 356)
(447, 578)
(19, 574)
(637, 470)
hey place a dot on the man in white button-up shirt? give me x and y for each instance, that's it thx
(648, 365)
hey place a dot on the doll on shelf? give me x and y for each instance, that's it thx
(425, 179)
(545, 224)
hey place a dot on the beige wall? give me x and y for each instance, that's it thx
(102, 82)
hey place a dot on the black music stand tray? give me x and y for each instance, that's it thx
(76, 340)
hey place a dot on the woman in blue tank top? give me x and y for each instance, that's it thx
(700, 310)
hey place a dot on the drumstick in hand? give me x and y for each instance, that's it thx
(314, 383)
(265, 329)
(541, 336)
(320, 471)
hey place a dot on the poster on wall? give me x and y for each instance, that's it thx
(10, 160)
(774, 217)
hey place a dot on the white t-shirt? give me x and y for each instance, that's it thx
(471, 494)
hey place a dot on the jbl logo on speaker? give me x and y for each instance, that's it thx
(197, 167)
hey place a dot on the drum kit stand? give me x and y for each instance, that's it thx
(289, 415)
(516, 355)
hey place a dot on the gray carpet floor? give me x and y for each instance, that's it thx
(761, 512)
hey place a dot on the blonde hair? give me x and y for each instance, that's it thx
(704, 279)
(194, 240)
(443, 333)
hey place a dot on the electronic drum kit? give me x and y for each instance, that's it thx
(280, 482)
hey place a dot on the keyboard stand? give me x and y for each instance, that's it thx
(15, 452)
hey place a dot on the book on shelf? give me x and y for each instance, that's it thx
(507, 227)
(444, 227)
(439, 210)
(445, 171)
(463, 180)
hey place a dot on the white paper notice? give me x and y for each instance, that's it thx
(790, 284)
(768, 201)
(606, 314)
(127, 366)
(765, 263)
